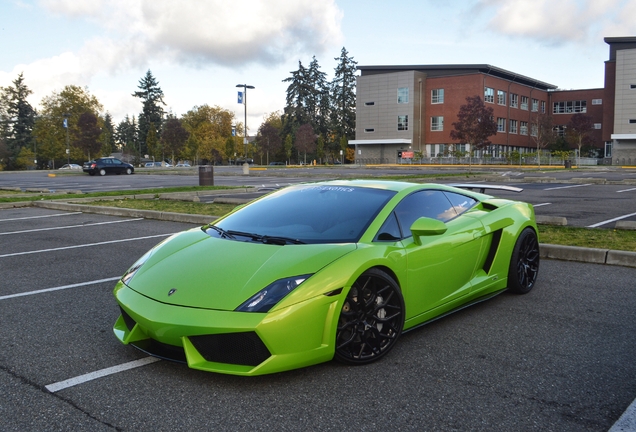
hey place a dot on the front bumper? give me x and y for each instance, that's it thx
(240, 343)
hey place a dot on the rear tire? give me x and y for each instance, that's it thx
(524, 263)
(102, 172)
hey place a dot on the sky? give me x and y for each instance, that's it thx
(199, 50)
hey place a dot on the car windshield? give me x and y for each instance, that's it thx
(306, 214)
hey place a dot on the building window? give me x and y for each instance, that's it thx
(560, 130)
(403, 123)
(437, 96)
(597, 125)
(403, 95)
(369, 103)
(535, 105)
(501, 97)
(513, 126)
(632, 86)
(608, 149)
(534, 130)
(524, 103)
(523, 128)
(543, 107)
(489, 95)
(632, 121)
(501, 124)
(369, 130)
(437, 123)
(514, 100)
(569, 107)
(597, 101)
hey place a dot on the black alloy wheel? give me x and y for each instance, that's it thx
(524, 263)
(371, 319)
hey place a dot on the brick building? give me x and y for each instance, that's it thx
(412, 108)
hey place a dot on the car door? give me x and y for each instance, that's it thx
(440, 267)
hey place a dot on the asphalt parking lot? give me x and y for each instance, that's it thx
(560, 358)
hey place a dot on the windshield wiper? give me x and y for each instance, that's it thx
(222, 232)
(276, 240)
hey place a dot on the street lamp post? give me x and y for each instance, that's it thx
(246, 166)
(68, 152)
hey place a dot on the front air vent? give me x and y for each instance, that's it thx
(489, 206)
(130, 323)
(245, 348)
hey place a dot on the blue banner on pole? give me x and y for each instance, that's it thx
(233, 131)
(66, 123)
(240, 97)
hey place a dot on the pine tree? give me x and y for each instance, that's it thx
(343, 98)
(152, 97)
(19, 116)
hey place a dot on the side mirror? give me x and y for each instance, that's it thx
(427, 227)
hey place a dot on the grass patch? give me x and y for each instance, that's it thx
(51, 196)
(186, 207)
(588, 237)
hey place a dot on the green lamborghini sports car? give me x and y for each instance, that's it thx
(326, 270)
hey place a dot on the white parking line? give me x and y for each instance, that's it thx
(82, 245)
(611, 220)
(28, 293)
(626, 190)
(70, 226)
(55, 387)
(540, 205)
(568, 187)
(42, 216)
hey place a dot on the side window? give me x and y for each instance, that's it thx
(390, 230)
(116, 162)
(460, 202)
(432, 204)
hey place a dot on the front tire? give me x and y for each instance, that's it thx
(524, 263)
(371, 319)
(128, 171)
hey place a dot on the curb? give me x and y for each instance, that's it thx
(588, 255)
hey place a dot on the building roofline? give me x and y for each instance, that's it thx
(620, 39)
(443, 69)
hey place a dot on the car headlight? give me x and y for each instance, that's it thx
(266, 298)
(133, 270)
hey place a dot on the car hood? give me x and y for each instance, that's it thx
(213, 273)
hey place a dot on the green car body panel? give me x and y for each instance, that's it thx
(191, 285)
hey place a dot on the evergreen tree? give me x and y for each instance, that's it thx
(126, 136)
(152, 97)
(17, 116)
(318, 106)
(297, 100)
(343, 98)
(108, 135)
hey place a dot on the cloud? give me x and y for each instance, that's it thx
(559, 22)
(210, 32)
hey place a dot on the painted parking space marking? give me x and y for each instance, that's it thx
(568, 187)
(83, 245)
(41, 216)
(55, 387)
(63, 287)
(71, 226)
(596, 225)
(541, 205)
(626, 190)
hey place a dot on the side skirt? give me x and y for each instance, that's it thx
(463, 306)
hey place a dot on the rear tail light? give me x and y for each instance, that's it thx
(93, 165)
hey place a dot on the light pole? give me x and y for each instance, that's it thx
(246, 166)
(68, 152)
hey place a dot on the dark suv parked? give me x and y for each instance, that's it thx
(107, 165)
